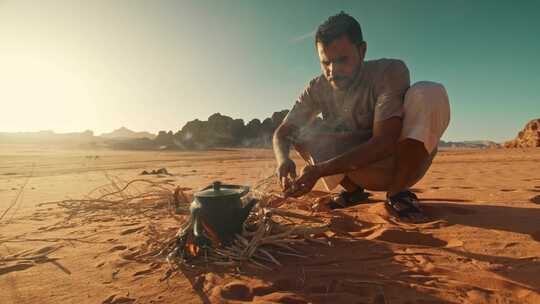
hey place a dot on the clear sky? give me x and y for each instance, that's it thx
(154, 65)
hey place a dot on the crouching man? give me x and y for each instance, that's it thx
(377, 132)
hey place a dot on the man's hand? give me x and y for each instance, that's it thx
(307, 180)
(286, 173)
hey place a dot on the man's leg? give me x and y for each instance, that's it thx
(411, 154)
(426, 116)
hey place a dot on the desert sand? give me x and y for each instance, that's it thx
(481, 245)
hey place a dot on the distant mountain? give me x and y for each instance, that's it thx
(125, 133)
(48, 137)
(472, 144)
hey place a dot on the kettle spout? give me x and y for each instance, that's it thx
(247, 209)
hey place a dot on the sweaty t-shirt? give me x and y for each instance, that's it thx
(376, 94)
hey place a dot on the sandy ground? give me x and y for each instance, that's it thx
(482, 245)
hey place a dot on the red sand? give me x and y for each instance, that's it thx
(482, 247)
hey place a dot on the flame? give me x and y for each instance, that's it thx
(191, 247)
(212, 235)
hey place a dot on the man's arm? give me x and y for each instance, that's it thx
(282, 141)
(304, 111)
(381, 145)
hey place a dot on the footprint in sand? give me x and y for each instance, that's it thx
(406, 238)
(256, 292)
(236, 290)
(508, 190)
(536, 199)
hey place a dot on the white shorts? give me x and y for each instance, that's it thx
(426, 116)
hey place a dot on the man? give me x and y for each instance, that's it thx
(377, 132)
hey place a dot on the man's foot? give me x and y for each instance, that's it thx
(404, 206)
(347, 199)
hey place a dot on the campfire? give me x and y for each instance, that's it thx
(258, 239)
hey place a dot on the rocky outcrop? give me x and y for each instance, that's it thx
(529, 137)
(218, 131)
(221, 131)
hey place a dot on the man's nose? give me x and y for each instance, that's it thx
(331, 69)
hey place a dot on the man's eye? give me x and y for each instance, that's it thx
(326, 62)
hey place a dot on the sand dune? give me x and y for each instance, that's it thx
(481, 245)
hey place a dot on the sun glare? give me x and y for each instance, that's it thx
(41, 93)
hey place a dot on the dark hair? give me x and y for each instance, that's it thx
(338, 25)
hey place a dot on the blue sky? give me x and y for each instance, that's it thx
(154, 65)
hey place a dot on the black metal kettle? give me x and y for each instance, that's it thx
(217, 210)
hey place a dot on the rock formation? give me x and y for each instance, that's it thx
(529, 137)
(221, 131)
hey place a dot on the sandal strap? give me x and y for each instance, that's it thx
(404, 198)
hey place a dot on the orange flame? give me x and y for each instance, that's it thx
(214, 238)
(191, 247)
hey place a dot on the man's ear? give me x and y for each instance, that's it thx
(362, 49)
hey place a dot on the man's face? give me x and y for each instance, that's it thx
(340, 61)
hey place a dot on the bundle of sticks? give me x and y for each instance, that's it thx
(124, 198)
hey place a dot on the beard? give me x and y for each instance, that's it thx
(342, 82)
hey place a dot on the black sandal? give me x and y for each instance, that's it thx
(404, 204)
(348, 199)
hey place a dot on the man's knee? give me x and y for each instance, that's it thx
(426, 113)
(428, 97)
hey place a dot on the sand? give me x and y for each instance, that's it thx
(482, 244)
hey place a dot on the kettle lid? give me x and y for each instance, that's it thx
(218, 189)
